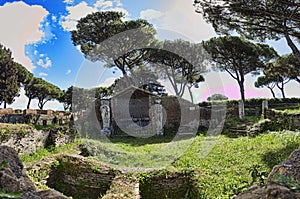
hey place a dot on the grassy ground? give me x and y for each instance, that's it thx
(43, 152)
(137, 152)
(222, 165)
(227, 169)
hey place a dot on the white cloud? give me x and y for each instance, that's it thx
(107, 82)
(150, 14)
(69, 1)
(20, 28)
(118, 3)
(45, 63)
(82, 9)
(103, 4)
(78, 47)
(54, 18)
(43, 74)
(174, 18)
(75, 13)
(68, 72)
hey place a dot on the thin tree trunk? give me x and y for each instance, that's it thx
(281, 89)
(191, 94)
(41, 105)
(5, 104)
(283, 94)
(28, 104)
(242, 90)
(273, 94)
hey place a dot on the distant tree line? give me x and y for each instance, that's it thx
(14, 76)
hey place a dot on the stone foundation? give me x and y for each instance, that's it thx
(25, 139)
(83, 178)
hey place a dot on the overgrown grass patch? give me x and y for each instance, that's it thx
(231, 166)
(137, 152)
(9, 130)
(292, 111)
(46, 152)
(227, 169)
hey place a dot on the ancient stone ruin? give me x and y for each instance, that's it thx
(14, 180)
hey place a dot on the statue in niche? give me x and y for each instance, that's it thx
(105, 115)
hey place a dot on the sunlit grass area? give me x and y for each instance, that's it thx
(46, 152)
(222, 165)
(137, 152)
(227, 169)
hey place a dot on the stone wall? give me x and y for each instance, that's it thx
(166, 184)
(283, 120)
(30, 116)
(81, 177)
(25, 139)
(14, 180)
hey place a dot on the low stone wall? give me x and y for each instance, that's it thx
(80, 177)
(283, 120)
(25, 139)
(76, 177)
(31, 116)
(166, 184)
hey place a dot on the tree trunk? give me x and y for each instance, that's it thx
(291, 44)
(273, 94)
(281, 89)
(283, 94)
(242, 90)
(5, 104)
(98, 112)
(41, 105)
(191, 94)
(28, 104)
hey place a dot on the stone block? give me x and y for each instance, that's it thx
(6, 111)
(45, 112)
(29, 111)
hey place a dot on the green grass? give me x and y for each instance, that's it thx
(8, 130)
(137, 152)
(223, 166)
(226, 170)
(221, 171)
(292, 111)
(46, 152)
(42, 127)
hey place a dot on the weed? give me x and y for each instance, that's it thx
(287, 181)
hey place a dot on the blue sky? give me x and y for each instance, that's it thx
(38, 33)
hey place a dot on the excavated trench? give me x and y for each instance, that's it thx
(82, 178)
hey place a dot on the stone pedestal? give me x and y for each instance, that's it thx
(265, 107)
(241, 110)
